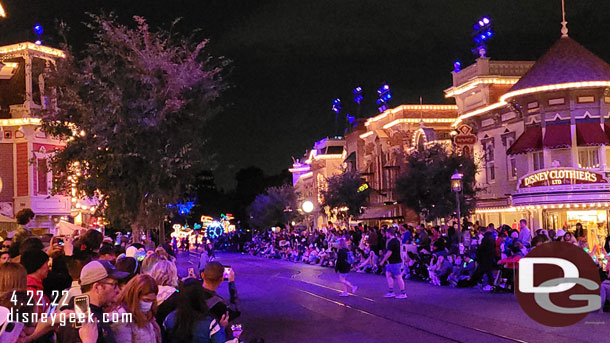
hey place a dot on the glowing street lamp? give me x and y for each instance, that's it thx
(456, 186)
(307, 206)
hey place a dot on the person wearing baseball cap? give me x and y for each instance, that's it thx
(100, 281)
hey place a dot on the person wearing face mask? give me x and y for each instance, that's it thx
(139, 297)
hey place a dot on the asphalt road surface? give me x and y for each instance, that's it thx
(294, 302)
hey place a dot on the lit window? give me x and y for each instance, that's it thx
(588, 158)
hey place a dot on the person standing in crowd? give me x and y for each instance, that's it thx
(525, 234)
(99, 280)
(139, 297)
(37, 266)
(192, 321)
(392, 269)
(24, 217)
(212, 276)
(166, 277)
(485, 257)
(343, 266)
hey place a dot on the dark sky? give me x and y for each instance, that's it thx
(292, 57)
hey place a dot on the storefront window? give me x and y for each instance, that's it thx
(594, 223)
(588, 158)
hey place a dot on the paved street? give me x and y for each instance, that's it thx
(289, 302)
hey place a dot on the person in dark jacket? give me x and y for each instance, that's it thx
(485, 258)
(343, 267)
(212, 276)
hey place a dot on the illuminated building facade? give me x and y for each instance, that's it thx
(543, 133)
(384, 142)
(323, 160)
(25, 150)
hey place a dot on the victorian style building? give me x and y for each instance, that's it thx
(25, 179)
(543, 138)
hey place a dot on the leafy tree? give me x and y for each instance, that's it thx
(343, 196)
(425, 185)
(133, 111)
(278, 206)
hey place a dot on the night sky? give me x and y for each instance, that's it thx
(292, 57)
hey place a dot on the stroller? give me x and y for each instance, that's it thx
(504, 281)
(419, 268)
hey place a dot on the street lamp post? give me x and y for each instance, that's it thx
(307, 207)
(456, 186)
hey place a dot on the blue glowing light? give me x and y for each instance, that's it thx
(489, 33)
(351, 119)
(38, 29)
(457, 66)
(358, 95)
(486, 20)
(481, 23)
(336, 106)
(38, 42)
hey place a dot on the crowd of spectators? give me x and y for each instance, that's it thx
(135, 284)
(484, 256)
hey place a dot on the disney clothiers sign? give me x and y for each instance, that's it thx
(561, 176)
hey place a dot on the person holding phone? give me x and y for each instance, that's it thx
(192, 320)
(100, 281)
(212, 276)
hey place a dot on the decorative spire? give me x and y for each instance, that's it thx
(564, 23)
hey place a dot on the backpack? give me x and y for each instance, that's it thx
(350, 257)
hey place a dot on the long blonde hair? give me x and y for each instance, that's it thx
(13, 277)
(165, 274)
(130, 298)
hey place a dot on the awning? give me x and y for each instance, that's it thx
(530, 140)
(379, 212)
(557, 136)
(588, 134)
(607, 130)
(351, 157)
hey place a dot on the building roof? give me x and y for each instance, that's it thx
(565, 62)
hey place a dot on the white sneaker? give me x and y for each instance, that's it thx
(344, 294)
(354, 289)
(389, 295)
(401, 296)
